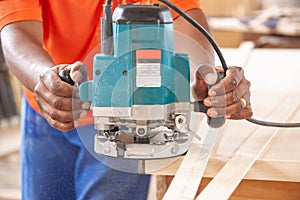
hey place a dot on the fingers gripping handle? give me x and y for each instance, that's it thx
(85, 88)
(214, 122)
(65, 76)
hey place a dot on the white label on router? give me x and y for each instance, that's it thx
(148, 68)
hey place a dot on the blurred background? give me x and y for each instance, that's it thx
(268, 23)
(264, 23)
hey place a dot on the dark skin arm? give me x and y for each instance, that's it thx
(33, 66)
(225, 97)
(29, 55)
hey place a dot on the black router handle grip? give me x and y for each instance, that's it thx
(65, 76)
(214, 122)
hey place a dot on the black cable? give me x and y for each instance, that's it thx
(273, 124)
(223, 62)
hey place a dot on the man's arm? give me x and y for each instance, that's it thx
(23, 49)
(190, 40)
(202, 52)
(231, 96)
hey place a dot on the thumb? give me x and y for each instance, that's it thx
(78, 72)
(204, 76)
(207, 73)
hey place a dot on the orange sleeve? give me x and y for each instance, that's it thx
(182, 4)
(18, 10)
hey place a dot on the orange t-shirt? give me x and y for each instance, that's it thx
(71, 28)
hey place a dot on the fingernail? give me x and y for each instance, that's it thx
(227, 116)
(212, 93)
(210, 78)
(207, 102)
(85, 105)
(76, 123)
(213, 113)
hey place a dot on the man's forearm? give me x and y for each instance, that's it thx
(191, 41)
(23, 48)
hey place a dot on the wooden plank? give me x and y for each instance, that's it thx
(167, 166)
(226, 181)
(262, 169)
(286, 146)
(274, 71)
(188, 177)
(271, 170)
(267, 190)
(236, 132)
(152, 192)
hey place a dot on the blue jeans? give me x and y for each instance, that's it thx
(61, 165)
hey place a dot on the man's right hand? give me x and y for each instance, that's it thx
(58, 100)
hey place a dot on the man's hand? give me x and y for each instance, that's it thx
(230, 97)
(58, 100)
